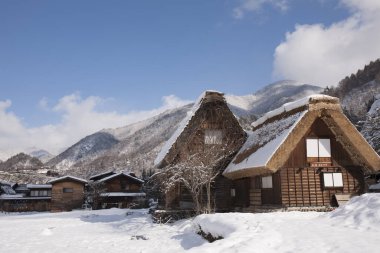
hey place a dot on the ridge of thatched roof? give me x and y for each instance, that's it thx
(273, 136)
(205, 97)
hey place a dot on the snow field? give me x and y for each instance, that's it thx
(351, 228)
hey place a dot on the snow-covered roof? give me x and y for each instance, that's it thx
(21, 197)
(121, 173)
(262, 143)
(294, 105)
(67, 178)
(21, 187)
(184, 123)
(38, 186)
(5, 182)
(111, 172)
(270, 132)
(375, 186)
(122, 194)
(11, 196)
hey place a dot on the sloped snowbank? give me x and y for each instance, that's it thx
(354, 227)
(362, 212)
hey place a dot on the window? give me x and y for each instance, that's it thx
(233, 192)
(40, 193)
(318, 147)
(213, 136)
(332, 180)
(267, 182)
(68, 190)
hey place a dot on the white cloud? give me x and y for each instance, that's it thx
(257, 5)
(324, 55)
(79, 118)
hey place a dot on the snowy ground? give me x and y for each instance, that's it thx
(354, 228)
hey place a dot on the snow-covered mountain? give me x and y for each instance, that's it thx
(270, 97)
(41, 154)
(135, 146)
(21, 162)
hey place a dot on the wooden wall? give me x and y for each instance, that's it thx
(25, 205)
(304, 186)
(122, 184)
(61, 201)
(242, 192)
(220, 196)
(319, 129)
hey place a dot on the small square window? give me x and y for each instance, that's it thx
(213, 136)
(332, 180)
(267, 182)
(233, 192)
(68, 190)
(318, 147)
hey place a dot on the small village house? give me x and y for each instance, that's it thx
(208, 137)
(25, 197)
(122, 190)
(67, 193)
(304, 154)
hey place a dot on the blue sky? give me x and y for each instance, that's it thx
(123, 57)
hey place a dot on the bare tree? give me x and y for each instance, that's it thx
(93, 193)
(197, 174)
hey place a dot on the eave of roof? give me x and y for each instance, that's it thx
(56, 180)
(120, 174)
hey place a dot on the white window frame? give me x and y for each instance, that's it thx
(213, 137)
(267, 182)
(318, 147)
(333, 179)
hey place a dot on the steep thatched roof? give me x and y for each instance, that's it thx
(186, 129)
(275, 135)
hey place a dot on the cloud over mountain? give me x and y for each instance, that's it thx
(322, 55)
(78, 117)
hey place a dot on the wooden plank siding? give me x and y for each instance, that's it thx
(66, 201)
(25, 205)
(304, 187)
(122, 184)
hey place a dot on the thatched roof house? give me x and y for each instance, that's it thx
(304, 154)
(209, 136)
(274, 135)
